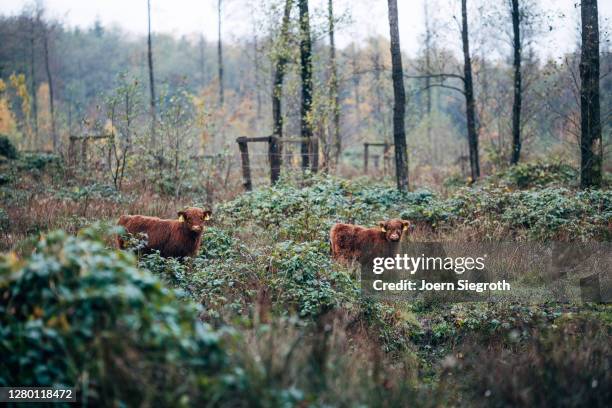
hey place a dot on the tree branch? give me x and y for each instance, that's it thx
(445, 86)
(435, 76)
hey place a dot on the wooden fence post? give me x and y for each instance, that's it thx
(365, 158)
(244, 156)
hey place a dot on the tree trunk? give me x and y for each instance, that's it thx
(399, 101)
(220, 55)
(591, 147)
(306, 74)
(470, 105)
(356, 82)
(274, 149)
(333, 85)
(51, 89)
(257, 66)
(202, 62)
(516, 106)
(428, 80)
(151, 77)
(33, 83)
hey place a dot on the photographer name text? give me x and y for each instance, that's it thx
(461, 285)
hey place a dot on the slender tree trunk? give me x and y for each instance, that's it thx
(516, 106)
(274, 149)
(202, 62)
(51, 89)
(356, 82)
(333, 85)
(257, 66)
(306, 74)
(151, 77)
(220, 55)
(591, 147)
(399, 103)
(33, 83)
(428, 79)
(470, 105)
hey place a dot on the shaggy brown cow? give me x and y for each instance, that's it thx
(350, 242)
(172, 238)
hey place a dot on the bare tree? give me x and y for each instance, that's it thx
(399, 104)
(220, 54)
(470, 106)
(202, 62)
(428, 69)
(151, 76)
(306, 75)
(33, 22)
(591, 147)
(333, 84)
(274, 149)
(356, 77)
(516, 105)
(46, 35)
(256, 63)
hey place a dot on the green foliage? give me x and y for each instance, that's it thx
(301, 331)
(39, 161)
(76, 313)
(304, 278)
(288, 212)
(7, 149)
(294, 212)
(550, 213)
(537, 174)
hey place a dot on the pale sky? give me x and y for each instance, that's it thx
(366, 18)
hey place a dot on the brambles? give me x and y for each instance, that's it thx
(76, 313)
(291, 326)
(537, 174)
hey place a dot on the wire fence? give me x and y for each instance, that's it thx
(263, 158)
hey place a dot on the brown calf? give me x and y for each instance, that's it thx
(172, 238)
(351, 242)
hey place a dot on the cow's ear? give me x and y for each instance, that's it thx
(181, 216)
(383, 226)
(206, 216)
(406, 225)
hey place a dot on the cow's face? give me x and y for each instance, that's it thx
(194, 218)
(394, 229)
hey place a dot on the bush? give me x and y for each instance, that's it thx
(305, 281)
(39, 161)
(537, 175)
(76, 313)
(546, 214)
(7, 149)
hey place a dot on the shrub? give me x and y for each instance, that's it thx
(76, 313)
(303, 278)
(7, 149)
(537, 174)
(38, 161)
